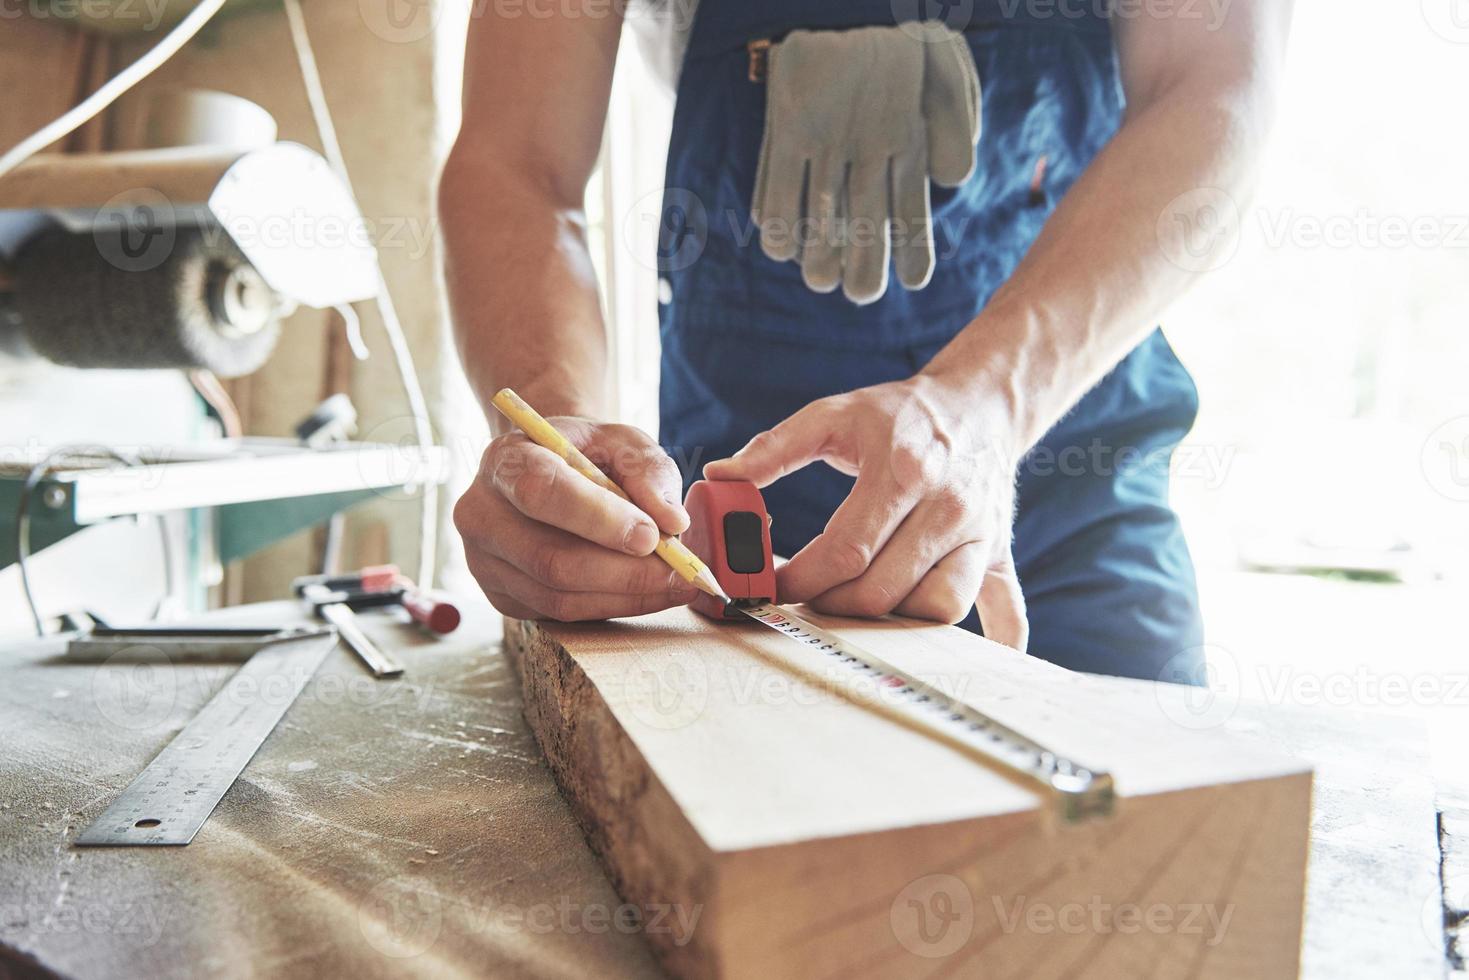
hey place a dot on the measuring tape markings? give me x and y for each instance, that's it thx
(1080, 791)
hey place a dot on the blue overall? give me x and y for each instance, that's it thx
(1107, 577)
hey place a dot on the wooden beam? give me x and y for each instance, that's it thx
(185, 175)
(788, 832)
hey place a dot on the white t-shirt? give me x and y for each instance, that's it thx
(662, 28)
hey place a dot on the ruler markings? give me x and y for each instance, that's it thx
(175, 794)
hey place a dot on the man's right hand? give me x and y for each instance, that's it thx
(544, 542)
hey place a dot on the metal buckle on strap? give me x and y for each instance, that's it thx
(759, 58)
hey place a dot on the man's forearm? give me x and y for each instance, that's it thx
(1105, 268)
(522, 289)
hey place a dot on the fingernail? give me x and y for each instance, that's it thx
(641, 538)
(680, 516)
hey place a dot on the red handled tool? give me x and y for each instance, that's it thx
(435, 615)
(382, 585)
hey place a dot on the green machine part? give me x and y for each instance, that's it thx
(242, 528)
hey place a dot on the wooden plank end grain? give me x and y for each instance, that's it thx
(788, 832)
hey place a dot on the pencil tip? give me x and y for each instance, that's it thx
(706, 581)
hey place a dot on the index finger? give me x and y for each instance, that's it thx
(796, 442)
(645, 472)
(859, 529)
(543, 487)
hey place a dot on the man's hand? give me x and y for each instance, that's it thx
(544, 542)
(926, 530)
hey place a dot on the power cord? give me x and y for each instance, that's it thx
(208, 387)
(112, 89)
(402, 355)
(23, 523)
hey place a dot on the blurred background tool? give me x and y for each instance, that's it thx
(335, 608)
(383, 586)
(438, 616)
(334, 420)
(374, 578)
(182, 644)
(160, 257)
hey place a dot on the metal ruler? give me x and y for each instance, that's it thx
(176, 793)
(180, 645)
(1081, 792)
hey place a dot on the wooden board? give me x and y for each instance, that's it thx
(806, 836)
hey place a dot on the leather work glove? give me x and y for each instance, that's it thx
(857, 124)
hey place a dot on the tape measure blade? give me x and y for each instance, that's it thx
(175, 793)
(1082, 792)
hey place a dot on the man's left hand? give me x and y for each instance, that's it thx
(926, 530)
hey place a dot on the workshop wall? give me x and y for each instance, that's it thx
(382, 90)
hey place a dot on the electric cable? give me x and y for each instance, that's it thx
(402, 355)
(112, 89)
(352, 327)
(33, 479)
(208, 387)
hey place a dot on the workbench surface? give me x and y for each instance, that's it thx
(409, 827)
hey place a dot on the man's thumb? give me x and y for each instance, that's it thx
(1001, 605)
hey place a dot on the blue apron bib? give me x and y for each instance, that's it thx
(1106, 574)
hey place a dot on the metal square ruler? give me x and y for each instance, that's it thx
(175, 794)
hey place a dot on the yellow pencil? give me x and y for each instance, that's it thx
(544, 434)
